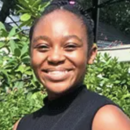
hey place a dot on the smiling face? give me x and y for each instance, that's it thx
(59, 51)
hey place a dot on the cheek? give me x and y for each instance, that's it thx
(79, 59)
(37, 59)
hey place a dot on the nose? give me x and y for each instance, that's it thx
(55, 57)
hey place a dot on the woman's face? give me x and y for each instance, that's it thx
(59, 51)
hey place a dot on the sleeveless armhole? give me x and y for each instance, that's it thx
(107, 102)
(19, 126)
(16, 125)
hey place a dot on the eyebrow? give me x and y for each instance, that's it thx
(73, 36)
(48, 39)
(40, 38)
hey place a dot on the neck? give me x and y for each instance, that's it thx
(52, 96)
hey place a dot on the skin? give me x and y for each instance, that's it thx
(16, 125)
(59, 55)
(110, 117)
(59, 52)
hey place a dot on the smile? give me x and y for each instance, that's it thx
(57, 75)
(58, 72)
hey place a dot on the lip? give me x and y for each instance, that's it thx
(57, 74)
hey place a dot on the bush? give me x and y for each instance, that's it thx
(111, 78)
(16, 104)
(15, 70)
(21, 93)
(106, 76)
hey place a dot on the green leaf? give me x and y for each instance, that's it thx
(19, 84)
(2, 44)
(25, 23)
(26, 59)
(12, 32)
(44, 5)
(36, 3)
(117, 82)
(125, 96)
(21, 69)
(24, 3)
(24, 50)
(25, 17)
(12, 45)
(17, 52)
(2, 26)
(128, 83)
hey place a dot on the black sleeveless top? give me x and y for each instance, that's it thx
(74, 111)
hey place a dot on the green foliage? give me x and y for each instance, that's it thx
(21, 93)
(111, 78)
(15, 70)
(30, 10)
(106, 76)
(15, 104)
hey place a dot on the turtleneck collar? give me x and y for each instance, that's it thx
(65, 100)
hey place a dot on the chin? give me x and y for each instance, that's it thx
(57, 88)
(60, 87)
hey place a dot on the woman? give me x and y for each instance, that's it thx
(60, 48)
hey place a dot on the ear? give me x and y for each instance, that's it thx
(92, 54)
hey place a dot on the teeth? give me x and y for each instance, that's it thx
(57, 72)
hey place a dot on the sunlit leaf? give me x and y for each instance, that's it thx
(25, 17)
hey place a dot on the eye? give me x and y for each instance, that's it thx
(42, 47)
(70, 46)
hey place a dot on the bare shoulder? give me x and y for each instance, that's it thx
(16, 125)
(110, 117)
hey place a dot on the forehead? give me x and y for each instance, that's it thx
(60, 22)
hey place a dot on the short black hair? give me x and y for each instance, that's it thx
(71, 6)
